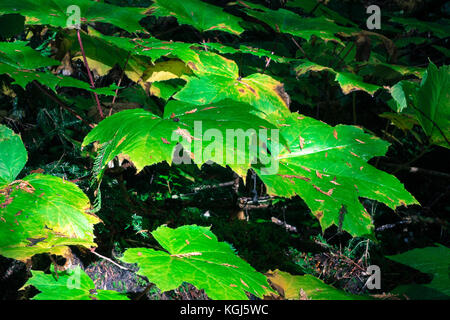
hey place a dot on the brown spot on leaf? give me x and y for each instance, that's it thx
(319, 214)
(305, 168)
(34, 241)
(328, 193)
(301, 142)
(207, 108)
(335, 134)
(192, 66)
(229, 265)
(244, 283)
(334, 182)
(283, 95)
(289, 176)
(164, 140)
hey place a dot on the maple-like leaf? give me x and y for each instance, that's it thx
(194, 255)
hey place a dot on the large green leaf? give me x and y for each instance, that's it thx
(194, 255)
(201, 15)
(147, 139)
(327, 167)
(431, 260)
(43, 213)
(72, 284)
(217, 78)
(13, 155)
(433, 104)
(306, 287)
(54, 12)
(39, 213)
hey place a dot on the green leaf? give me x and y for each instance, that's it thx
(52, 12)
(43, 213)
(13, 155)
(349, 82)
(431, 260)
(286, 21)
(39, 213)
(152, 47)
(433, 104)
(306, 287)
(440, 29)
(72, 284)
(217, 78)
(20, 61)
(201, 15)
(319, 9)
(20, 56)
(327, 167)
(194, 255)
(257, 52)
(146, 139)
(398, 94)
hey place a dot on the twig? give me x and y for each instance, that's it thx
(108, 259)
(204, 187)
(301, 49)
(91, 79)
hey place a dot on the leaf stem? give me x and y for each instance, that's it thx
(91, 79)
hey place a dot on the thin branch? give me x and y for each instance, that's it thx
(301, 49)
(91, 79)
(108, 259)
